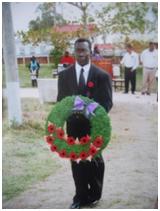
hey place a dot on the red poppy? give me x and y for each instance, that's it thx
(92, 151)
(83, 155)
(63, 153)
(53, 148)
(70, 140)
(98, 142)
(51, 128)
(49, 139)
(90, 84)
(60, 133)
(85, 139)
(73, 156)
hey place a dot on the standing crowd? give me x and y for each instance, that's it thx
(131, 61)
(149, 61)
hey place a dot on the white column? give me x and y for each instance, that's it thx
(11, 69)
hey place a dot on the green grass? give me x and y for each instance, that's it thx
(26, 157)
(44, 72)
(47, 69)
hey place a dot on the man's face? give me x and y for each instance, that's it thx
(151, 46)
(129, 50)
(82, 53)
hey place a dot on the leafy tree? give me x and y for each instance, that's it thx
(44, 28)
(83, 7)
(49, 16)
(127, 18)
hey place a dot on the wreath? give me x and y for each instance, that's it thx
(89, 146)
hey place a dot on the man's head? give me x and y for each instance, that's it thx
(151, 46)
(156, 45)
(82, 49)
(96, 50)
(66, 53)
(33, 58)
(129, 48)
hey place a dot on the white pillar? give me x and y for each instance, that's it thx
(11, 69)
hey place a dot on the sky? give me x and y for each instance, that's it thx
(23, 12)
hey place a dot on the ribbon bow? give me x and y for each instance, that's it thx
(80, 105)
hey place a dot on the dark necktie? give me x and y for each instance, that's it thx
(82, 85)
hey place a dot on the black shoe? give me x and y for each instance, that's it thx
(147, 93)
(93, 203)
(143, 93)
(125, 92)
(133, 93)
(75, 205)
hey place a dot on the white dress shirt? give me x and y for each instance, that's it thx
(130, 60)
(86, 69)
(149, 58)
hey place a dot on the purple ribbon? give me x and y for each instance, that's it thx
(80, 105)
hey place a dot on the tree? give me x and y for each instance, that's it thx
(85, 19)
(12, 81)
(49, 16)
(127, 18)
(44, 28)
(83, 6)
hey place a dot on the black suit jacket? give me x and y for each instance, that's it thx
(101, 91)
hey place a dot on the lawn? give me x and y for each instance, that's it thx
(26, 157)
(46, 72)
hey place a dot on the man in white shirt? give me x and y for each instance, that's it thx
(149, 60)
(131, 62)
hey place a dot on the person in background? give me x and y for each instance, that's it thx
(34, 71)
(131, 61)
(96, 54)
(156, 75)
(88, 176)
(67, 60)
(149, 61)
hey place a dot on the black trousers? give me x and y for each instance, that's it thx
(88, 178)
(130, 76)
(34, 83)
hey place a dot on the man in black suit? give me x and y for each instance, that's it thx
(84, 78)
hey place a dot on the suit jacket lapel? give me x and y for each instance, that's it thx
(73, 78)
(91, 74)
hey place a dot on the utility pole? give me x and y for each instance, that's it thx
(11, 68)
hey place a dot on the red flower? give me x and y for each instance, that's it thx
(90, 84)
(53, 148)
(98, 142)
(73, 156)
(92, 151)
(63, 153)
(51, 128)
(70, 140)
(83, 155)
(84, 140)
(60, 133)
(49, 139)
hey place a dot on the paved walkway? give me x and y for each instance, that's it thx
(117, 96)
(131, 162)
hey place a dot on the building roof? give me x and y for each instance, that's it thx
(108, 46)
(74, 27)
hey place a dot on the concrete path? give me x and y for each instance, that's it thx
(117, 96)
(131, 162)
